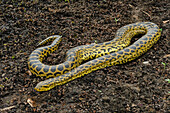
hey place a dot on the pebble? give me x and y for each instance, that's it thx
(106, 99)
(146, 62)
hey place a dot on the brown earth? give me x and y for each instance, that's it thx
(132, 87)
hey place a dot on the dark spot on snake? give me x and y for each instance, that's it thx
(156, 30)
(129, 27)
(97, 46)
(118, 56)
(149, 35)
(34, 65)
(49, 74)
(53, 69)
(141, 42)
(120, 52)
(38, 68)
(60, 67)
(89, 63)
(132, 51)
(125, 53)
(102, 54)
(49, 47)
(145, 38)
(72, 64)
(66, 75)
(70, 58)
(40, 50)
(107, 59)
(113, 54)
(73, 59)
(107, 43)
(141, 45)
(36, 72)
(101, 58)
(120, 34)
(109, 49)
(103, 50)
(78, 71)
(66, 64)
(57, 73)
(46, 69)
(76, 58)
(93, 64)
(86, 67)
(41, 73)
(155, 35)
(100, 61)
(65, 71)
(83, 69)
(46, 48)
(136, 45)
(61, 78)
(72, 71)
(95, 61)
(134, 25)
(107, 56)
(133, 47)
(126, 50)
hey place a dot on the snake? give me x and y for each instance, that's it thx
(84, 59)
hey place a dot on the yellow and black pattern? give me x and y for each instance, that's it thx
(116, 51)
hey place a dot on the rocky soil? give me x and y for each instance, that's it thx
(138, 86)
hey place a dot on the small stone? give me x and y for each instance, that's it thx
(106, 99)
(3, 74)
(166, 56)
(29, 73)
(146, 62)
(31, 102)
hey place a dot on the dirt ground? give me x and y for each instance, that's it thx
(138, 86)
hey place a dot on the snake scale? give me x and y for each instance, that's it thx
(117, 51)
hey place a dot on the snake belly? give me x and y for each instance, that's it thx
(121, 53)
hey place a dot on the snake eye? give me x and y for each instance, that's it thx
(45, 86)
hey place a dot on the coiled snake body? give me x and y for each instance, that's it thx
(116, 51)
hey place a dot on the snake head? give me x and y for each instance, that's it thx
(45, 85)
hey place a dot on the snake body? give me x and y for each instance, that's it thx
(116, 51)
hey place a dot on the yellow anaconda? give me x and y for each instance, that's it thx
(116, 51)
